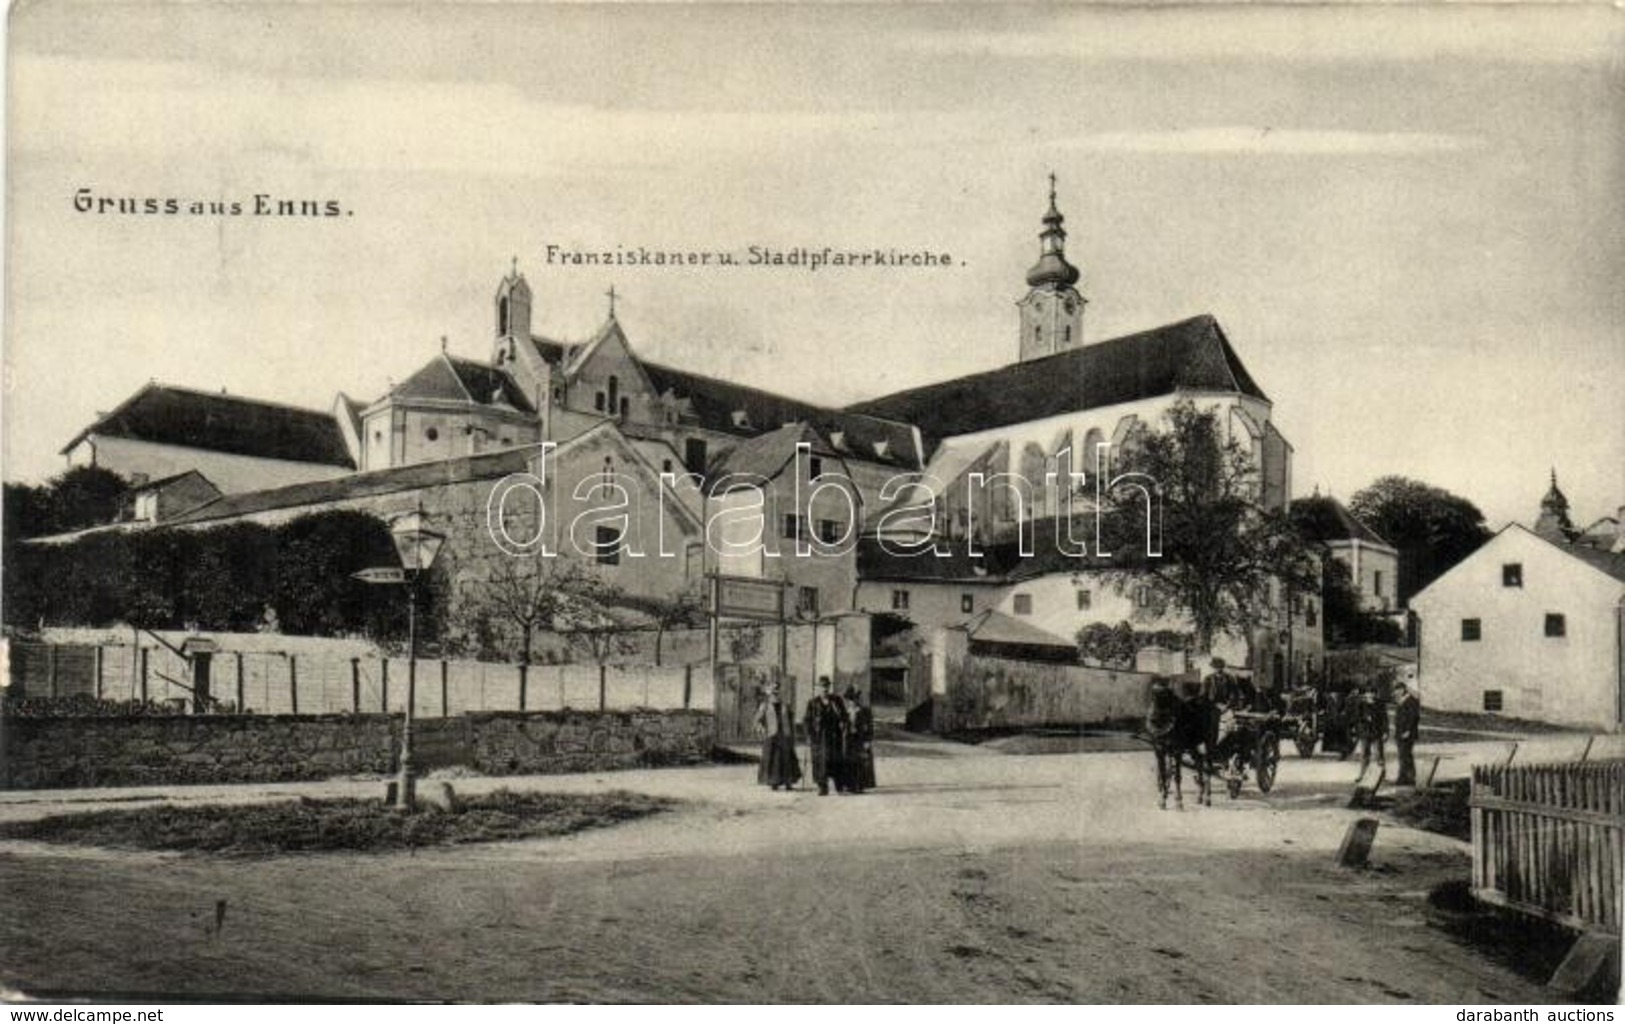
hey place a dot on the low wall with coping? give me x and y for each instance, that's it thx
(66, 752)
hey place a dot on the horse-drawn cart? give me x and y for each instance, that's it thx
(1252, 739)
(1316, 716)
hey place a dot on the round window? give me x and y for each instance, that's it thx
(432, 434)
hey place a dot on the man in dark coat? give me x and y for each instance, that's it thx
(1407, 724)
(826, 724)
(860, 748)
(1372, 721)
(776, 722)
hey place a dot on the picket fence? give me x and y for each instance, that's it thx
(1549, 840)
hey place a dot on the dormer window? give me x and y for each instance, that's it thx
(598, 401)
(741, 418)
(881, 447)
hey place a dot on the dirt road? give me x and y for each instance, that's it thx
(975, 877)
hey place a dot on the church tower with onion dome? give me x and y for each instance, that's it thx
(1052, 311)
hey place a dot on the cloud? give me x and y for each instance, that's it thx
(1268, 141)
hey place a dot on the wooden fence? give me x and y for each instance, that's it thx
(285, 682)
(1549, 840)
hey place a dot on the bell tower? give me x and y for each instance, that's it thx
(1052, 311)
(512, 311)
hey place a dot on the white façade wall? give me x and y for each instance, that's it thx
(233, 474)
(1573, 679)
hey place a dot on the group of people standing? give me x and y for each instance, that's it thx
(840, 734)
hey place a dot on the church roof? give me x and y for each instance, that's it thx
(736, 409)
(1193, 353)
(551, 351)
(450, 379)
(164, 414)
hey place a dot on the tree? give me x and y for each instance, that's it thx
(1107, 645)
(86, 496)
(684, 607)
(1222, 552)
(529, 594)
(80, 497)
(1347, 623)
(588, 618)
(1431, 528)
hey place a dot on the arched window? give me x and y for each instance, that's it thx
(1038, 333)
(502, 315)
(614, 393)
(1067, 335)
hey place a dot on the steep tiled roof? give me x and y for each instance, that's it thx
(764, 456)
(995, 627)
(449, 379)
(163, 414)
(1326, 519)
(1191, 354)
(551, 351)
(744, 411)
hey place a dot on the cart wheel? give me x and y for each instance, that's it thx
(1269, 755)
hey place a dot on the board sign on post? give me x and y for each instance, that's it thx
(739, 597)
(381, 574)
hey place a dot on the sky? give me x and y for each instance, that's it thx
(1407, 219)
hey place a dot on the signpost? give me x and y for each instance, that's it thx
(381, 574)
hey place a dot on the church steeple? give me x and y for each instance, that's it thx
(513, 314)
(1554, 519)
(1052, 312)
(513, 305)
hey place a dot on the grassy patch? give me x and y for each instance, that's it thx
(307, 825)
(1441, 809)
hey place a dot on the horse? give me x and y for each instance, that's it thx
(1179, 729)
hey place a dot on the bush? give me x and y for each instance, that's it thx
(221, 579)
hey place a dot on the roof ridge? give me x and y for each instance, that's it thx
(273, 403)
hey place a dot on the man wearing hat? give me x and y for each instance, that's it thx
(826, 724)
(1407, 724)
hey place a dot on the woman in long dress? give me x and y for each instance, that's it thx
(776, 723)
(860, 743)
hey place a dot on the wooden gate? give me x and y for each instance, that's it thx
(1549, 840)
(738, 692)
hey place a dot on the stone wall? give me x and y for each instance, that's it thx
(48, 753)
(512, 743)
(999, 693)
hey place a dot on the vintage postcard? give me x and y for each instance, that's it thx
(784, 503)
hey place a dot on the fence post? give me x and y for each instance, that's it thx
(143, 680)
(241, 697)
(524, 678)
(603, 688)
(98, 650)
(50, 667)
(445, 705)
(688, 684)
(383, 686)
(355, 685)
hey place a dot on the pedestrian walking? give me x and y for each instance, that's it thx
(861, 742)
(827, 726)
(1372, 721)
(1407, 725)
(775, 722)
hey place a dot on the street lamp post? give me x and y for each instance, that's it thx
(417, 546)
